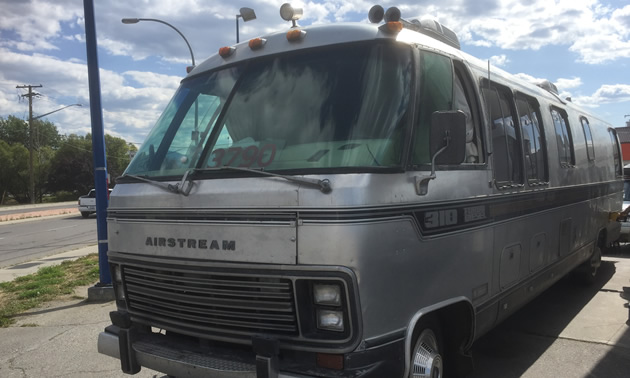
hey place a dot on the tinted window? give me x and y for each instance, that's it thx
(563, 137)
(298, 112)
(533, 140)
(505, 136)
(436, 93)
(590, 149)
(615, 146)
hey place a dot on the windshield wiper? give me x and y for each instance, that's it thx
(322, 185)
(179, 188)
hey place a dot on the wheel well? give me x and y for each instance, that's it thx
(456, 323)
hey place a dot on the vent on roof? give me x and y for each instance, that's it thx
(548, 86)
(435, 30)
(427, 27)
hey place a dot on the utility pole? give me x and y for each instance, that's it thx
(30, 96)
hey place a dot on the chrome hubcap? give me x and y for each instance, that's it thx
(427, 361)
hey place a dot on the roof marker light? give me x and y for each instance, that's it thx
(295, 35)
(257, 43)
(392, 27)
(226, 51)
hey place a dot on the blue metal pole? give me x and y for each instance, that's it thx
(98, 142)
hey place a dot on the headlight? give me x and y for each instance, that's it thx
(326, 294)
(330, 320)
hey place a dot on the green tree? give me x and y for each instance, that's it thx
(15, 130)
(14, 172)
(71, 167)
(118, 156)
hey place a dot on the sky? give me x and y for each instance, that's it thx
(583, 46)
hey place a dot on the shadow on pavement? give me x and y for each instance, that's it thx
(52, 309)
(511, 348)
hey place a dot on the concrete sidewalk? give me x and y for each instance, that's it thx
(59, 340)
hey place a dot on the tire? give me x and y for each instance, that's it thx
(587, 272)
(85, 214)
(427, 354)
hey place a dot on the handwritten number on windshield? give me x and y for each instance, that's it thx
(245, 157)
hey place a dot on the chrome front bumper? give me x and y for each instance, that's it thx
(173, 359)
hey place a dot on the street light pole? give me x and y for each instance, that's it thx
(136, 20)
(247, 14)
(192, 57)
(55, 111)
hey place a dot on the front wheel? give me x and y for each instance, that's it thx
(426, 358)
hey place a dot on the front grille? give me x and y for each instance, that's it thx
(207, 303)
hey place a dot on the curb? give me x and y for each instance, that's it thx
(35, 215)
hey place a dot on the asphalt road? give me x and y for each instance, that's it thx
(27, 241)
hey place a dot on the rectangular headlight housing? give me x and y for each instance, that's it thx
(327, 294)
(330, 320)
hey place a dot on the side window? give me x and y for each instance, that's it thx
(616, 154)
(505, 136)
(563, 137)
(533, 140)
(466, 102)
(436, 93)
(590, 149)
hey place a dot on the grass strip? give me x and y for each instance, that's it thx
(49, 283)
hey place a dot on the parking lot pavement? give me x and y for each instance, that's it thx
(568, 331)
(59, 340)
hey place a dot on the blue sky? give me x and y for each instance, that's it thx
(581, 45)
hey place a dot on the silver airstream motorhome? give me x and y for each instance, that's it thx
(350, 200)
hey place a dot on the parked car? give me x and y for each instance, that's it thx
(87, 203)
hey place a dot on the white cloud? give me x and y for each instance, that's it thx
(566, 84)
(31, 32)
(606, 94)
(499, 60)
(128, 111)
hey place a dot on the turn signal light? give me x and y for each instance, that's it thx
(393, 27)
(226, 51)
(330, 361)
(257, 43)
(295, 35)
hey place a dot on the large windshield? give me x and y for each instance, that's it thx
(341, 107)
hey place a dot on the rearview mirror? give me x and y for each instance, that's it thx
(448, 133)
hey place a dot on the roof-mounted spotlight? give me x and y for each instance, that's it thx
(376, 14)
(288, 13)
